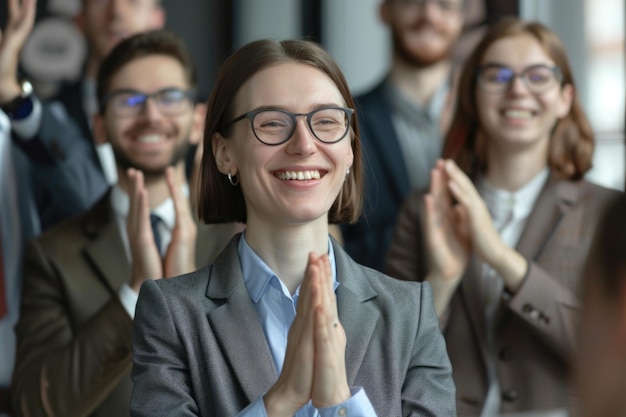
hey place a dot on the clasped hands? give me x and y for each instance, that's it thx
(457, 223)
(146, 259)
(314, 368)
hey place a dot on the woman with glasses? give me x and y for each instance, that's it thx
(284, 323)
(503, 232)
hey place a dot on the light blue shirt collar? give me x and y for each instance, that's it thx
(257, 275)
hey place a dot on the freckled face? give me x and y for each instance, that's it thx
(266, 173)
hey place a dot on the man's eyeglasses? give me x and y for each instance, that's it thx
(130, 103)
(538, 79)
(274, 126)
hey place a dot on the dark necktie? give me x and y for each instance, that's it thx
(154, 221)
(3, 295)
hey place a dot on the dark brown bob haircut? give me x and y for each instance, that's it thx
(218, 200)
(572, 142)
(140, 45)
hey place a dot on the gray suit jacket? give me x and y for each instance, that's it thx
(66, 175)
(534, 331)
(199, 348)
(74, 335)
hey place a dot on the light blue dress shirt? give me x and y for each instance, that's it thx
(276, 309)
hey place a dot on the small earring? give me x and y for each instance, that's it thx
(347, 173)
(233, 180)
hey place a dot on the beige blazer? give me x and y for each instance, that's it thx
(74, 335)
(534, 329)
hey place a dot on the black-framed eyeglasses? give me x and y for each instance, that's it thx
(128, 103)
(275, 126)
(497, 79)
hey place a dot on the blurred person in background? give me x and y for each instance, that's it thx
(402, 119)
(82, 277)
(51, 133)
(70, 180)
(505, 228)
(601, 357)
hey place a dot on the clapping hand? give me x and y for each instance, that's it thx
(21, 18)
(486, 242)
(146, 259)
(447, 233)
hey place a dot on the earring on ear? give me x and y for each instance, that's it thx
(233, 180)
(347, 174)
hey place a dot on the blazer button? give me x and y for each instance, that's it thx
(534, 315)
(509, 395)
(527, 308)
(506, 354)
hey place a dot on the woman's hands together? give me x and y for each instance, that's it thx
(458, 223)
(314, 368)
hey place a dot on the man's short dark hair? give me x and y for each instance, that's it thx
(154, 42)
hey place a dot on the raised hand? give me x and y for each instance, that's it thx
(446, 236)
(21, 17)
(181, 252)
(146, 260)
(486, 241)
(446, 229)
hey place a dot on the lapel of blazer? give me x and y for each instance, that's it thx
(383, 141)
(105, 248)
(555, 199)
(357, 317)
(237, 327)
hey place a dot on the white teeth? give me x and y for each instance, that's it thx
(518, 114)
(150, 138)
(298, 176)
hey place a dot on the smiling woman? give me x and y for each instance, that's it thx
(504, 230)
(284, 323)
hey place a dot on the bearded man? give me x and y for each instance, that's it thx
(82, 277)
(402, 119)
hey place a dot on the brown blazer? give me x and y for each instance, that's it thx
(534, 329)
(74, 335)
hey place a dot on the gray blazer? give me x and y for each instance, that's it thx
(199, 348)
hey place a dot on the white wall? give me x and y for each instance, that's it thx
(356, 38)
(566, 18)
(275, 19)
(593, 34)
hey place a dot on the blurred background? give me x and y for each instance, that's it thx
(593, 32)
